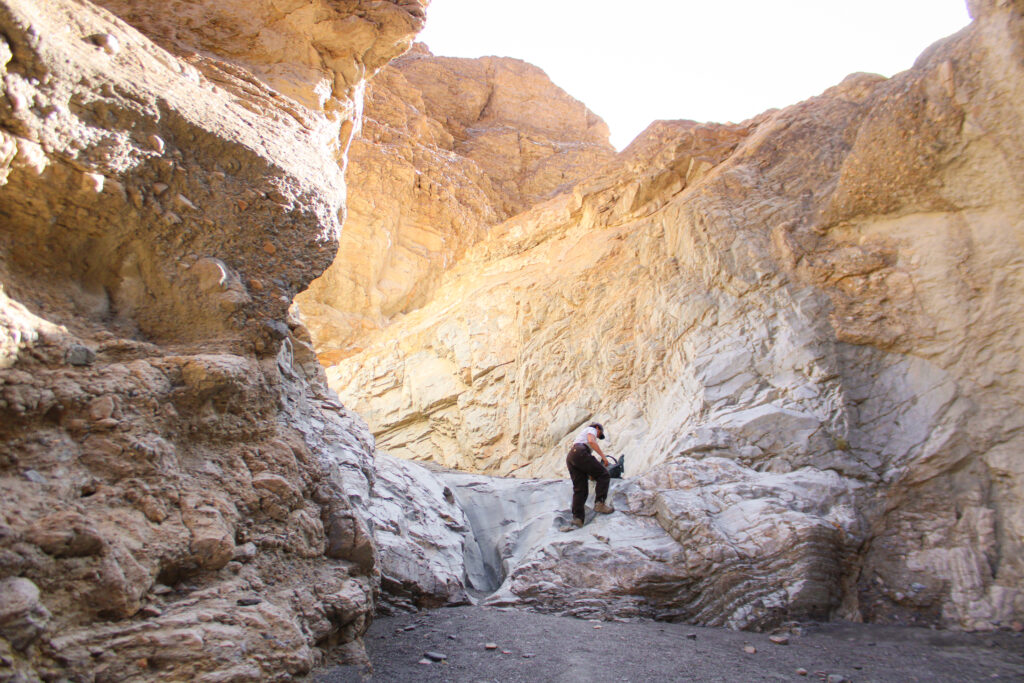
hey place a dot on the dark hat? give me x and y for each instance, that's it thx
(600, 429)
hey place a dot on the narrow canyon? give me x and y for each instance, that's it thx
(298, 321)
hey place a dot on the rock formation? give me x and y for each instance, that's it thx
(449, 147)
(803, 330)
(829, 286)
(706, 541)
(180, 497)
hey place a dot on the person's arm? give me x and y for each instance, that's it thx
(592, 441)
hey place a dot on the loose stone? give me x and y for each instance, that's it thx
(749, 649)
(490, 646)
(779, 639)
(435, 656)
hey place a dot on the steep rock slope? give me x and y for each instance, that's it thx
(180, 498)
(833, 286)
(449, 147)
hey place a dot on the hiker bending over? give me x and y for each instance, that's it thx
(582, 465)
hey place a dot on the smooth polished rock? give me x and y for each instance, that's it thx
(704, 541)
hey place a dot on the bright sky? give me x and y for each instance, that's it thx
(635, 61)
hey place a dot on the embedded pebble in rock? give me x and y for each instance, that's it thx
(749, 649)
(22, 616)
(779, 639)
(109, 42)
(801, 672)
(80, 355)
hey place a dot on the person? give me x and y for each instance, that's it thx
(583, 465)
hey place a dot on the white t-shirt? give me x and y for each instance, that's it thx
(582, 436)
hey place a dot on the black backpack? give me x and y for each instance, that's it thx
(617, 470)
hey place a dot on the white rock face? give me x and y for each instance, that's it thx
(705, 541)
(419, 532)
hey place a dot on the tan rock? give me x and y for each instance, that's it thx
(431, 172)
(142, 435)
(827, 285)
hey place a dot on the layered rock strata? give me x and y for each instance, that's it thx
(180, 498)
(829, 286)
(448, 148)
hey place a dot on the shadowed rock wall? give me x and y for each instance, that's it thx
(180, 497)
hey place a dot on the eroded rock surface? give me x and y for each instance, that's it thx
(180, 496)
(703, 541)
(829, 286)
(449, 147)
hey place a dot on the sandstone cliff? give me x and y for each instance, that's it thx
(449, 147)
(180, 498)
(829, 287)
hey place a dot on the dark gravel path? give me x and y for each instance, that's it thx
(536, 647)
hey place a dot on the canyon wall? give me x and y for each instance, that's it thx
(829, 287)
(449, 147)
(180, 495)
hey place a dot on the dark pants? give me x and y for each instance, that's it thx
(583, 465)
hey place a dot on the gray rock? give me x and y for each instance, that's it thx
(708, 541)
(418, 534)
(245, 552)
(80, 355)
(34, 476)
(435, 656)
(22, 615)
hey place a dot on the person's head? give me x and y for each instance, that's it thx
(599, 428)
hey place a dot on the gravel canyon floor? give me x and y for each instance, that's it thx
(538, 647)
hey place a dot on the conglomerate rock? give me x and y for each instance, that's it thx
(180, 497)
(832, 285)
(449, 147)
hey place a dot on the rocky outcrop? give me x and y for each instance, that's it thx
(449, 147)
(180, 497)
(703, 541)
(420, 533)
(827, 286)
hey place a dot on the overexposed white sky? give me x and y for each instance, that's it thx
(634, 61)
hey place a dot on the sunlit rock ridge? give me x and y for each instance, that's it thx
(827, 288)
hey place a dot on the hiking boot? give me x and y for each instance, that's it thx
(577, 522)
(603, 508)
